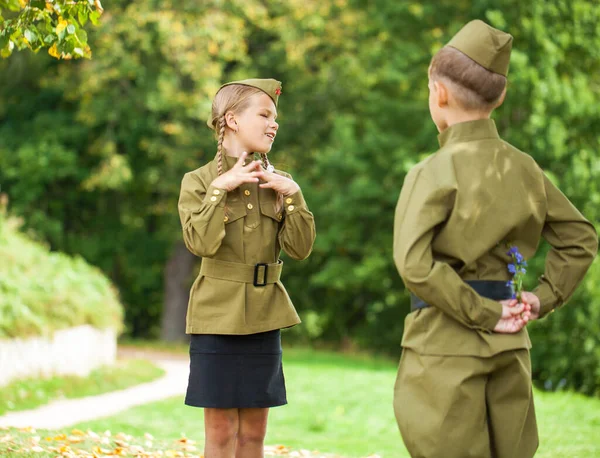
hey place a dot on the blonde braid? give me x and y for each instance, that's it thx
(279, 200)
(265, 161)
(221, 125)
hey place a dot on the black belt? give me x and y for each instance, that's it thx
(491, 289)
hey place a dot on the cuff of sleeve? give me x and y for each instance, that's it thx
(215, 196)
(294, 203)
(547, 299)
(491, 312)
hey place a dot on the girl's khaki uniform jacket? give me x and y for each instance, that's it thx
(233, 232)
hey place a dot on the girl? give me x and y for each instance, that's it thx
(238, 215)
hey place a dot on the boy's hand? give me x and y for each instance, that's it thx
(534, 303)
(514, 317)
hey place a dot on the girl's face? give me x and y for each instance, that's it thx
(256, 124)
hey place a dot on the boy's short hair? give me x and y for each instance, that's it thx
(475, 87)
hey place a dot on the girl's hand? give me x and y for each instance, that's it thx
(279, 183)
(238, 174)
(514, 317)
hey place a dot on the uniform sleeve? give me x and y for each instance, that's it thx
(298, 233)
(202, 214)
(422, 206)
(574, 243)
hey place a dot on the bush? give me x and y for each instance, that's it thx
(41, 292)
(566, 344)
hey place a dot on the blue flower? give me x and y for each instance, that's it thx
(518, 271)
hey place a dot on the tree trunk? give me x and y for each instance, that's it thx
(177, 280)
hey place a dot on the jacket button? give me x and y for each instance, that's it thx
(250, 206)
(279, 216)
(289, 200)
(247, 192)
(213, 198)
(216, 192)
(226, 219)
(291, 208)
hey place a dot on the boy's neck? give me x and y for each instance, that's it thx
(460, 116)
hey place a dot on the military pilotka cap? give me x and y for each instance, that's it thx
(487, 46)
(269, 86)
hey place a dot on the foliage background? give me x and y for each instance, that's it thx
(92, 152)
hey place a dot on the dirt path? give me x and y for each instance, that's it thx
(64, 413)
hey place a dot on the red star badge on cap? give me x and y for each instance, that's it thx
(277, 91)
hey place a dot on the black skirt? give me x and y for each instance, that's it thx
(233, 371)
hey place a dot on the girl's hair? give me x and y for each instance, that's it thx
(235, 98)
(476, 88)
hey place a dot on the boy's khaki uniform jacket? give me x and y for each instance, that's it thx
(233, 231)
(457, 210)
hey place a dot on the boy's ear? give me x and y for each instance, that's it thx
(230, 121)
(501, 99)
(441, 91)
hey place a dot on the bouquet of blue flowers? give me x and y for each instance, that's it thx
(518, 271)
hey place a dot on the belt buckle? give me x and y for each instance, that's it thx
(256, 269)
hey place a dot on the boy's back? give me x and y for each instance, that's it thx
(480, 193)
(464, 381)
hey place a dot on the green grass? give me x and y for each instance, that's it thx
(30, 393)
(343, 404)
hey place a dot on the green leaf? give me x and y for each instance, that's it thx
(78, 51)
(41, 4)
(94, 16)
(82, 15)
(50, 39)
(30, 35)
(71, 29)
(3, 40)
(82, 36)
(7, 50)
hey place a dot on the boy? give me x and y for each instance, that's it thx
(464, 381)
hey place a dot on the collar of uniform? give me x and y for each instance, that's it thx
(228, 161)
(470, 130)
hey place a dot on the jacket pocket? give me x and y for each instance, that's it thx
(268, 209)
(234, 210)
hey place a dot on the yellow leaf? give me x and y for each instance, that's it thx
(53, 51)
(23, 3)
(77, 432)
(49, 6)
(98, 6)
(61, 26)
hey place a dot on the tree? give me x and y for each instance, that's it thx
(56, 25)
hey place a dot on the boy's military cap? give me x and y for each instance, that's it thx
(487, 46)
